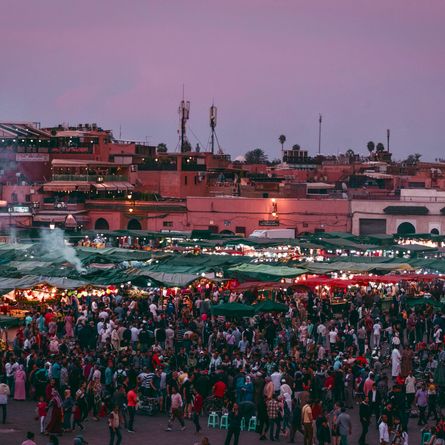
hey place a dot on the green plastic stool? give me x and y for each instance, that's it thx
(243, 424)
(426, 436)
(213, 420)
(224, 425)
(252, 424)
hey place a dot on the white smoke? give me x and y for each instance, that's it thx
(53, 241)
(12, 235)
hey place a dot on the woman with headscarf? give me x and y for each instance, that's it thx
(54, 425)
(19, 384)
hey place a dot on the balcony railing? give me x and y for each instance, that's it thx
(90, 178)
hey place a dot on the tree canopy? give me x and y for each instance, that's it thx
(256, 156)
(162, 148)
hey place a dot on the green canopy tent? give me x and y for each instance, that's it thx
(233, 310)
(271, 306)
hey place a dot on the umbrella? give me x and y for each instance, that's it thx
(233, 310)
(271, 306)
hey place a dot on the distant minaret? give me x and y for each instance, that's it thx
(184, 114)
(213, 113)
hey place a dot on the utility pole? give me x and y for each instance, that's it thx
(319, 134)
(388, 133)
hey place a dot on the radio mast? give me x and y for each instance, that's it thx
(184, 114)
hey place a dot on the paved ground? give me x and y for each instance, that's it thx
(150, 430)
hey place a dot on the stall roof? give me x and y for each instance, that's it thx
(263, 272)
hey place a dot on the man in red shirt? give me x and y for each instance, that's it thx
(132, 400)
(198, 401)
(219, 389)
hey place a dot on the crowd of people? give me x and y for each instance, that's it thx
(301, 372)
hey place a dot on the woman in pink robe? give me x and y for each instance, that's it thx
(19, 385)
(69, 332)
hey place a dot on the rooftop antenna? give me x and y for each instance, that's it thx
(213, 114)
(184, 114)
(319, 134)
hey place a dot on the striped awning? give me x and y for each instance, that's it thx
(113, 186)
(66, 186)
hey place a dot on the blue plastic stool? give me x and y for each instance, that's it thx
(252, 424)
(224, 424)
(213, 420)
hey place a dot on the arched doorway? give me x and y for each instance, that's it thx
(435, 231)
(226, 232)
(101, 224)
(134, 224)
(406, 228)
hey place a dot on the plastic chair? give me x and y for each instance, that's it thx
(426, 436)
(213, 420)
(243, 424)
(252, 424)
(224, 424)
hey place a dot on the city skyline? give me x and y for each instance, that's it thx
(271, 68)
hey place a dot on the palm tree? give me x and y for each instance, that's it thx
(380, 148)
(371, 146)
(282, 140)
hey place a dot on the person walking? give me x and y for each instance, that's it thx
(344, 425)
(306, 419)
(234, 425)
(176, 406)
(197, 408)
(132, 400)
(114, 426)
(273, 413)
(365, 419)
(4, 394)
(323, 431)
(384, 431)
(422, 404)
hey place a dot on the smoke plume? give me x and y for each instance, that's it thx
(54, 243)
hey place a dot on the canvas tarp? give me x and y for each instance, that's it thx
(263, 272)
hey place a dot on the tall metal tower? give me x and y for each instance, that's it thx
(184, 114)
(213, 114)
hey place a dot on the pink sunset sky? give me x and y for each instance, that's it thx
(271, 66)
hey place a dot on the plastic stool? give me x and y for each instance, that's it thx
(224, 425)
(243, 424)
(426, 436)
(252, 424)
(213, 420)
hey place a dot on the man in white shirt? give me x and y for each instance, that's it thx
(376, 329)
(134, 336)
(410, 386)
(384, 431)
(276, 380)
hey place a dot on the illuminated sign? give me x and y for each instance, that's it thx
(269, 222)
